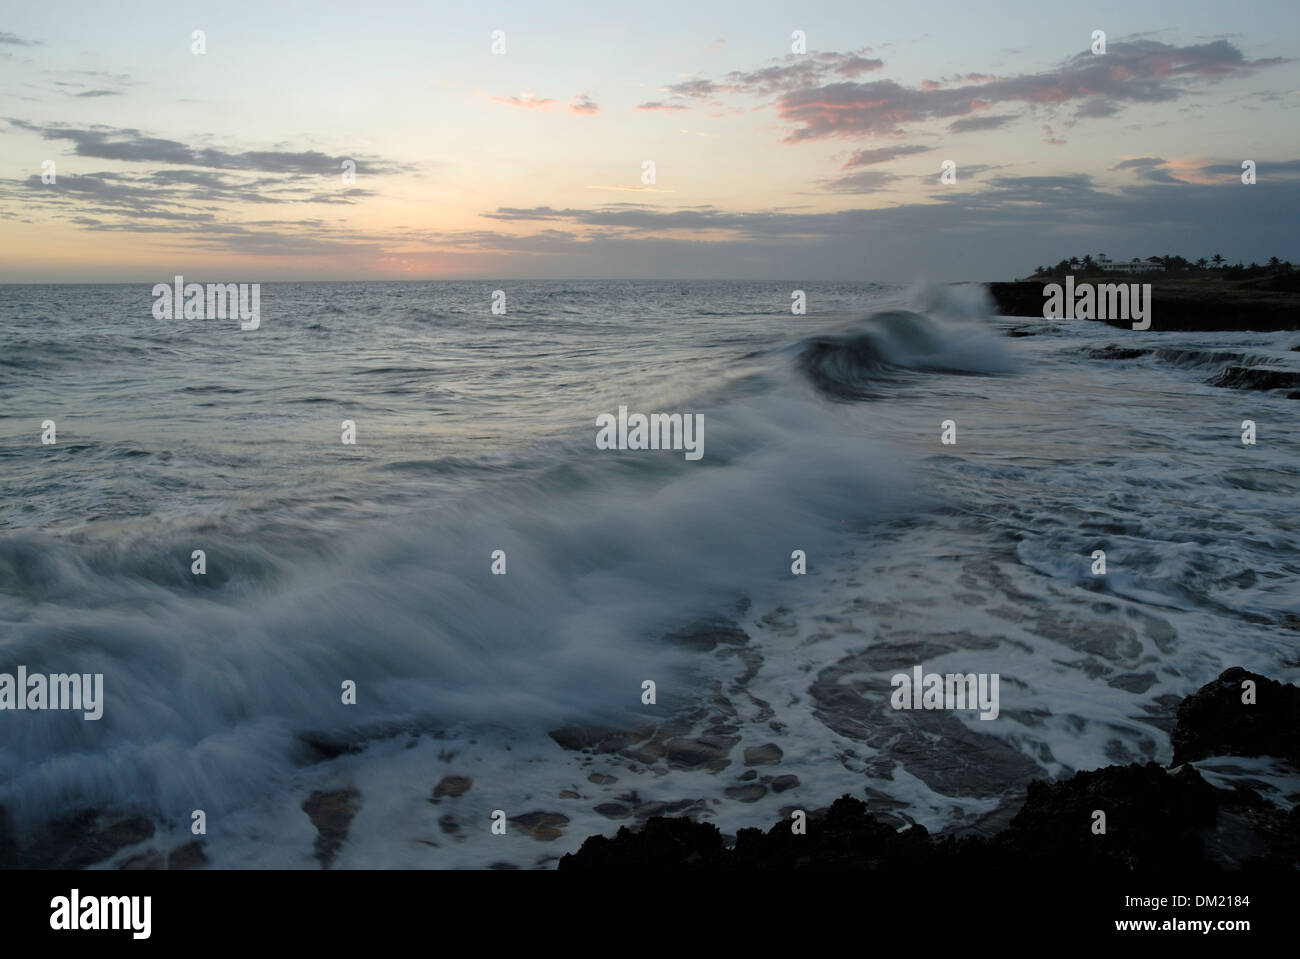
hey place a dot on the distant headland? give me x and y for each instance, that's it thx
(1203, 294)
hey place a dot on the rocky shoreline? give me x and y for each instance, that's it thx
(1178, 304)
(1156, 818)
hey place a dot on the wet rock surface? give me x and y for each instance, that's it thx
(542, 826)
(73, 842)
(451, 786)
(933, 745)
(331, 813)
(1214, 721)
(1154, 818)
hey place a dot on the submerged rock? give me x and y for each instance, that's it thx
(331, 813)
(542, 826)
(452, 786)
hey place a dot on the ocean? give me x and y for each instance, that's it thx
(370, 565)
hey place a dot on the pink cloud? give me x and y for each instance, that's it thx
(528, 102)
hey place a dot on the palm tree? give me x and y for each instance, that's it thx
(1217, 260)
(1201, 263)
(1274, 262)
(1086, 262)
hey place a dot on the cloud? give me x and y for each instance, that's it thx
(1151, 169)
(105, 84)
(864, 181)
(528, 102)
(109, 143)
(883, 155)
(1264, 169)
(969, 124)
(582, 104)
(797, 71)
(1039, 218)
(131, 201)
(1099, 107)
(12, 39)
(1141, 71)
(658, 105)
(1035, 218)
(630, 189)
(695, 89)
(788, 73)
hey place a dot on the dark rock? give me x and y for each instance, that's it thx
(707, 636)
(596, 738)
(781, 783)
(1214, 721)
(542, 826)
(147, 860)
(452, 786)
(1177, 304)
(1112, 351)
(1155, 820)
(1255, 378)
(188, 856)
(331, 813)
(707, 752)
(323, 746)
(73, 842)
(660, 844)
(766, 755)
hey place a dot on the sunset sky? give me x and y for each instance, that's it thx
(226, 166)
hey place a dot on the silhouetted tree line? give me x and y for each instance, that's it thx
(1178, 264)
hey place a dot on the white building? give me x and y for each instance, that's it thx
(1135, 265)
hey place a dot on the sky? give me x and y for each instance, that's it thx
(530, 160)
